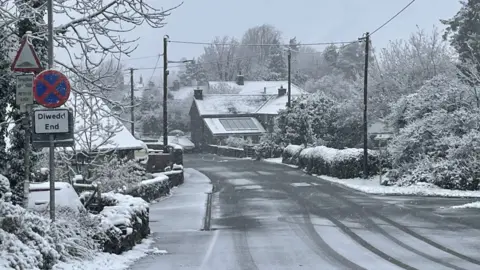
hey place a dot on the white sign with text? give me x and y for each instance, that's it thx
(51, 121)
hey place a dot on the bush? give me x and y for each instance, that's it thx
(236, 142)
(268, 148)
(31, 241)
(345, 163)
(117, 175)
(291, 154)
(151, 189)
(124, 221)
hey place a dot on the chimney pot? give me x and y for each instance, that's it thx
(198, 93)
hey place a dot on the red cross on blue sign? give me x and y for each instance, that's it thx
(51, 88)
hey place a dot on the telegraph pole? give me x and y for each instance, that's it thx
(365, 101)
(132, 97)
(289, 77)
(165, 94)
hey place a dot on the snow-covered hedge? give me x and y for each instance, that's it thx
(151, 189)
(291, 153)
(124, 221)
(345, 163)
(31, 241)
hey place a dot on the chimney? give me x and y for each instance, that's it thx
(198, 93)
(240, 79)
(265, 90)
(282, 91)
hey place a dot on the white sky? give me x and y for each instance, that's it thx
(308, 20)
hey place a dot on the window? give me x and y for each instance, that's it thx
(233, 124)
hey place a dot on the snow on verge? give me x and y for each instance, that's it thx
(279, 161)
(468, 205)
(372, 186)
(109, 261)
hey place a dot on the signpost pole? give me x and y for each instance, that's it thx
(52, 136)
(26, 158)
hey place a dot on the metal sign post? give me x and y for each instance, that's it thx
(51, 90)
(26, 60)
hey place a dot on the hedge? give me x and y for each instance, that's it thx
(344, 163)
(124, 220)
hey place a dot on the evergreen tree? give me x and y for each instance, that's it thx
(463, 32)
(193, 71)
(31, 13)
(6, 90)
(277, 65)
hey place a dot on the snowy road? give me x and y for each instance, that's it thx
(267, 216)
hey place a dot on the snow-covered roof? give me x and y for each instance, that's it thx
(229, 104)
(241, 104)
(254, 97)
(237, 125)
(96, 127)
(258, 87)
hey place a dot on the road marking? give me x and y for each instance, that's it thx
(248, 187)
(303, 184)
(210, 249)
(265, 173)
(240, 182)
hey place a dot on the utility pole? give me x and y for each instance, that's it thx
(365, 101)
(132, 97)
(165, 94)
(289, 77)
(52, 136)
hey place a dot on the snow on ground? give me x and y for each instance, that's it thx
(372, 186)
(468, 205)
(278, 161)
(111, 261)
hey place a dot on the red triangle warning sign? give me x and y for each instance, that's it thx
(26, 59)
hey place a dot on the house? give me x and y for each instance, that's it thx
(248, 110)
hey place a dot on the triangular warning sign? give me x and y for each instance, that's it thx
(26, 59)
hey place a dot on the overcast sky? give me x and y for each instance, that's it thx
(308, 20)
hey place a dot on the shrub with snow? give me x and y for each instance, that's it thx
(4, 188)
(438, 138)
(118, 175)
(269, 146)
(151, 189)
(124, 221)
(237, 142)
(291, 153)
(31, 241)
(344, 163)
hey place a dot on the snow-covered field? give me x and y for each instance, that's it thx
(372, 186)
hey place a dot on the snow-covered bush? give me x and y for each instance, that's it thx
(237, 142)
(118, 175)
(269, 147)
(319, 120)
(31, 241)
(124, 221)
(4, 188)
(151, 189)
(344, 163)
(291, 154)
(438, 137)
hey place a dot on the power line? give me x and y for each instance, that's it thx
(258, 45)
(154, 69)
(392, 18)
(142, 57)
